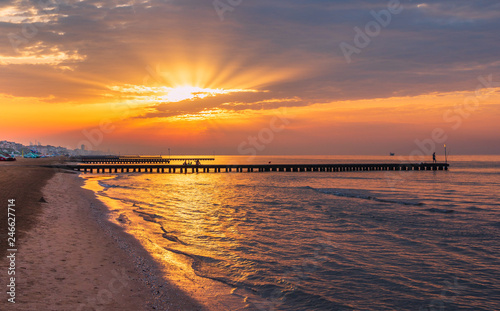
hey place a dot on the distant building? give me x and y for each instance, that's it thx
(17, 149)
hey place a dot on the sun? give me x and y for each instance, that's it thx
(188, 92)
(164, 94)
(180, 93)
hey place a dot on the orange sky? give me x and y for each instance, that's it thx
(142, 77)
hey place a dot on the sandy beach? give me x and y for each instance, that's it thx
(70, 257)
(22, 180)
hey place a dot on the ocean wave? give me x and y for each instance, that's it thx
(169, 236)
(474, 208)
(148, 216)
(197, 259)
(495, 224)
(440, 210)
(274, 294)
(107, 186)
(361, 194)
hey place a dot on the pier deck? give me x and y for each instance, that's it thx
(134, 160)
(218, 168)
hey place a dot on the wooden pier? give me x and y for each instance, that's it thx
(118, 167)
(133, 160)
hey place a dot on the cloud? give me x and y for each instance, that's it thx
(288, 48)
(38, 56)
(172, 94)
(233, 101)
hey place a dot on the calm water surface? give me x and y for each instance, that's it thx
(324, 240)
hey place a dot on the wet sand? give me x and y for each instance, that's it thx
(22, 180)
(70, 257)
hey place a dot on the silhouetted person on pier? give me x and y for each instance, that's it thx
(434, 157)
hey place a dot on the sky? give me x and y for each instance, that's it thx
(326, 77)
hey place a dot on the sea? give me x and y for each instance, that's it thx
(372, 240)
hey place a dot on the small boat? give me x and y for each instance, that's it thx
(391, 154)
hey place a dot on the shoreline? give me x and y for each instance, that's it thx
(174, 267)
(73, 258)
